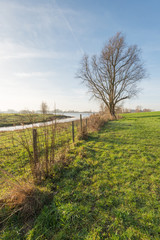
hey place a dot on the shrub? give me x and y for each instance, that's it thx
(83, 134)
(96, 121)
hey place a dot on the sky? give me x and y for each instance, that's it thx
(42, 43)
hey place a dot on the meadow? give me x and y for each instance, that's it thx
(17, 154)
(110, 188)
(13, 119)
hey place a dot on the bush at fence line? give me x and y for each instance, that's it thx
(83, 134)
(96, 121)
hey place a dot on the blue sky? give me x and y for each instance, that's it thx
(43, 41)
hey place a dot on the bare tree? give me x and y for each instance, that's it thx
(113, 76)
(138, 109)
(44, 108)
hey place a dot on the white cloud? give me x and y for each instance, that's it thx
(32, 18)
(35, 74)
(10, 50)
(41, 26)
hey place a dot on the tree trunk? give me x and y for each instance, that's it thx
(112, 110)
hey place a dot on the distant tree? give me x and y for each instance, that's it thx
(147, 110)
(138, 109)
(119, 109)
(25, 111)
(102, 107)
(126, 110)
(114, 75)
(44, 108)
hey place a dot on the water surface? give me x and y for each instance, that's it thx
(71, 117)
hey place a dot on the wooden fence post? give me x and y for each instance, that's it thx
(35, 151)
(81, 122)
(73, 131)
(86, 123)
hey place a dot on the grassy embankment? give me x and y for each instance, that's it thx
(18, 119)
(110, 190)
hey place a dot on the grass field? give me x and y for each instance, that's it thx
(14, 157)
(18, 119)
(110, 189)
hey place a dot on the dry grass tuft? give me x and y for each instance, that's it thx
(22, 199)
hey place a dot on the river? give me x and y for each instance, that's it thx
(72, 117)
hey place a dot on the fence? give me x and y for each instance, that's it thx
(33, 152)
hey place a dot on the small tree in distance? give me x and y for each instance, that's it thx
(114, 75)
(44, 108)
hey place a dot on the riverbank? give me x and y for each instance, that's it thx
(9, 120)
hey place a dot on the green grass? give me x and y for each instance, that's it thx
(14, 158)
(110, 190)
(18, 119)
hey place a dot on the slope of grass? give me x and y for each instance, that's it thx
(111, 189)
